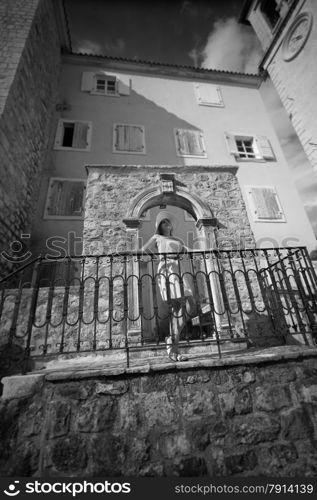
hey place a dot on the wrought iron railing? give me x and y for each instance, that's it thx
(127, 301)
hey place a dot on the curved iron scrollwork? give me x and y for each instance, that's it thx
(93, 303)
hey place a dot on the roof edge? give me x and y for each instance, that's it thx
(167, 69)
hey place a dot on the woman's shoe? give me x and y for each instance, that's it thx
(173, 356)
(181, 357)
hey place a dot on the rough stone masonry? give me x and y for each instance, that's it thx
(29, 74)
(255, 418)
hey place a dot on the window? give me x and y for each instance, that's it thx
(73, 135)
(104, 83)
(208, 94)
(189, 143)
(128, 138)
(264, 204)
(248, 147)
(270, 9)
(65, 198)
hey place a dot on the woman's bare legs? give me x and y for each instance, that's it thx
(177, 323)
(191, 306)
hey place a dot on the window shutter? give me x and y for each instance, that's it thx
(122, 138)
(74, 198)
(80, 139)
(259, 26)
(231, 144)
(194, 143)
(265, 148)
(182, 145)
(266, 203)
(189, 142)
(55, 196)
(128, 138)
(65, 198)
(208, 94)
(59, 134)
(124, 85)
(87, 81)
(136, 139)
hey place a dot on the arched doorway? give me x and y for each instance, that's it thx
(184, 229)
(196, 228)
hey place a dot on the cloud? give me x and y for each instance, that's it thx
(195, 56)
(231, 46)
(90, 47)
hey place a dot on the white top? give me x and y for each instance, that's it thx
(168, 244)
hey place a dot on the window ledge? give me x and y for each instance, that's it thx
(211, 105)
(129, 152)
(250, 160)
(274, 221)
(104, 94)
(192, 156)
(61, 148)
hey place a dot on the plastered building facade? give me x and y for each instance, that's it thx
(165, 103)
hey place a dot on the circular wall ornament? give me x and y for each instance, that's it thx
(297, 35)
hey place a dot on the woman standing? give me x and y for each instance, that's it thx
(169, 283)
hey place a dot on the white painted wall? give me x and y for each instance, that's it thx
(161, 103)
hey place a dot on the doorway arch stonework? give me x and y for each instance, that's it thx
(116, 195)
(205, 223)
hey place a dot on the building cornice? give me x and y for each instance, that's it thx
(164, 69)
(124, 169)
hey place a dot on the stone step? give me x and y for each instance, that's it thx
(138, 356)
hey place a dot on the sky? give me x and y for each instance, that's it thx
(200, 33)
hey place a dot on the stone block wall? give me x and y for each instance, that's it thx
(111, 191)
(110, 194)
(257, 419)
(76, 327)
(29, 75)
(16, 17)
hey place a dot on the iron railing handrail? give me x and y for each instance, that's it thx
(239, 294)
(189, 251)
(10, 275)
(297, 249)
(137, 253)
